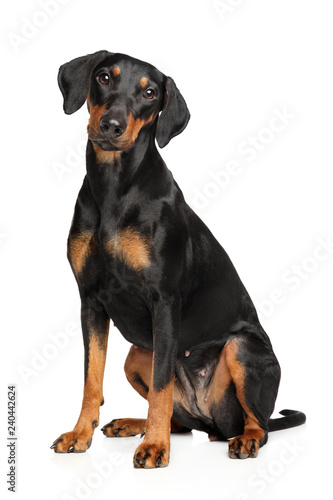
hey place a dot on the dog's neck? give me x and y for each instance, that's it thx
(112, 174)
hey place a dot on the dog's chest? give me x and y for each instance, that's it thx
(95, 255)
(128, 247)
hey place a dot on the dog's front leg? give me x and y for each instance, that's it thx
(154, 451)
(95, 329)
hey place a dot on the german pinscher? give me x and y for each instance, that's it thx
(143, 258)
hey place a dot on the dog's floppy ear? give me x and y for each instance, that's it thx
(174, 116)
(74, 78)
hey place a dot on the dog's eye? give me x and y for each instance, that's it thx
(104, 78)
(149, 94)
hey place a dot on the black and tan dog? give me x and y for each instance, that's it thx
(143, 258)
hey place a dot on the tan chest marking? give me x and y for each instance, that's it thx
(131, 247)
(106, 156)
(80, 246)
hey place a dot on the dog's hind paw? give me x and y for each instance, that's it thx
(124, 427)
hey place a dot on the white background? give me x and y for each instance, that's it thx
(236, 67)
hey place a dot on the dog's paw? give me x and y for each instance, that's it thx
(124, 427)
(151, 456)
(74, 441)
(243, 447)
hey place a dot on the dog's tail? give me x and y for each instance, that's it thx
(291, 418)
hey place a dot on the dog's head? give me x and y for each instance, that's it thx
(124, 95)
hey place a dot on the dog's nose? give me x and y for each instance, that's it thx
(113, 124)
(111, 128)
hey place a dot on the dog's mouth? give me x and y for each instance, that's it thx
(117, 144)
(120, 144)
(104, 144)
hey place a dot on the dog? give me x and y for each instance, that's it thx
(144, 259)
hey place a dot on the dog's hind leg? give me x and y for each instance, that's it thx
(249, 392)
(138, 368)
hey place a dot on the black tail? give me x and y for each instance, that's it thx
(291, 418)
